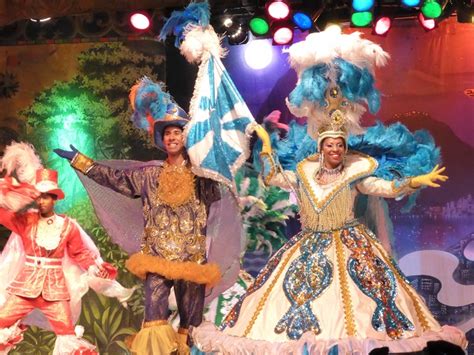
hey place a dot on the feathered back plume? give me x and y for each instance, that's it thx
(333, 59)
(195, 38)
(22, 159)
(149, 103)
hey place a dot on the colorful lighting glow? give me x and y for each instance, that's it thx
(283, 35)
(140, 21)
(278, 10)
(427, 23)
(411, 3)
(362, 5)
(361, 19)
(431, 9)
(382, 25)
(259, 26)
(258, 54)
(302, 20)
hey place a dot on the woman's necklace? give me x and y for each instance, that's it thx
(325, 175)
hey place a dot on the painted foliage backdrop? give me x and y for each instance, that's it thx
(58, 94)
(78, 94)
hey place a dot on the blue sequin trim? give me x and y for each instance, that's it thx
(262, 277)
(375, 279)
(306, 278)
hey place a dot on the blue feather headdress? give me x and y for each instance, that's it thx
(180, 22)
(335, 80)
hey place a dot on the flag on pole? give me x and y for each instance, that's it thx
(217, 137)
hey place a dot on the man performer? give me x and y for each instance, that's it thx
(40, 281)
(175, 209)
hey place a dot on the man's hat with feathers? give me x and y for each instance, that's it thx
(154, 109)
(21, 160)
(335, 79)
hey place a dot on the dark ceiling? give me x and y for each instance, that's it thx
(14, 11)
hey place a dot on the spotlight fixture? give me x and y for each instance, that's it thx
(282, 32)
(140, 21)
(259, 26)
(45, 19)
(362, 13)
(238, 34)
(302, 20)
(431, 9)
(227, 22)
(411, 3)
(427, 23)
(382, 25)
(278, 9)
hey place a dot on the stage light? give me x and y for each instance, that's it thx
(361, 19)
(278, 9)
(410, 3)
(45, 19)
(427, 23)
(382, 25)
(227, 22)
(282, 33)
(431, 9)
(259, 26)
(362, 15)
(302, 21)
(258, 54)
(362, 5)
(238, 34)
(140, 21)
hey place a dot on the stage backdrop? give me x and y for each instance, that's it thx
(429, 84)
(57, 94)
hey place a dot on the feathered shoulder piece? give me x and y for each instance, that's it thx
(21, 159)
(335, 77)
(149, 102)
(194, 36)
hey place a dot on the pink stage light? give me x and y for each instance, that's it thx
(140, 21)
(382, 25)
(427, 23)
(278, 10)
(283, 35)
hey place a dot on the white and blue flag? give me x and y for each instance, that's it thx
(217, 137)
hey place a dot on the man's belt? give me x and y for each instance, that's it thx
(43, 262)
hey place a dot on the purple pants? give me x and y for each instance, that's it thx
(189, 298)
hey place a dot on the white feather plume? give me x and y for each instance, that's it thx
(22, 159)
(200, 43)
(324, 47)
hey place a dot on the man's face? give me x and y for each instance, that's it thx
(46, 204)
(173, 140)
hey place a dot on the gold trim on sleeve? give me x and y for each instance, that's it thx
(82, 163)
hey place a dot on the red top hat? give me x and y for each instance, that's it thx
(47, 182)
